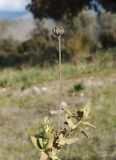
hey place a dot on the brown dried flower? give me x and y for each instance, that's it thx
(58, 31)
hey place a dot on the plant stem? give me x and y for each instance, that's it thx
(60, 82)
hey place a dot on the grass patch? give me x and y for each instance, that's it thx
(27, 77)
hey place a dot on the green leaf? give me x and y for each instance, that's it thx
(43, 142)
(41, 131)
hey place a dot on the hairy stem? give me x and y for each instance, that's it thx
(60, 82)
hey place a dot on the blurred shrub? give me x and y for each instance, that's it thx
(9, 46)
(9, 53)
(113, 52)
(3, 28)
(77, 87)
(107, 23)
(90, 32)
(84, 37)
(3, 82)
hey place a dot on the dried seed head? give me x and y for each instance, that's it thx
(58, 31)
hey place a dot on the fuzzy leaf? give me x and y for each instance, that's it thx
(43, 156)
(47, 124)
(89, 124)
(61, 140)
(69, 121)
(46, 121)
(64, 141)
(53, 154)
(86, 109)
(71, 140)
(50, 137)
(68, 112)
(35, 142)
(43, 142)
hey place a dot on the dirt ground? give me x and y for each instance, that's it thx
(22, 111)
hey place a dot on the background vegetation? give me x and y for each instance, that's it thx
(87, 36)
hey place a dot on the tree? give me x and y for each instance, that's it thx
(56, 9)
(109, 5)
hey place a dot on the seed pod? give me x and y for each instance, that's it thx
(58, 31)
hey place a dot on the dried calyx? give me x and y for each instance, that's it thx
(49, 143)
(58, 31)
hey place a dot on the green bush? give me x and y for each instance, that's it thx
(78, 86)
(83, 33)
(9, 46)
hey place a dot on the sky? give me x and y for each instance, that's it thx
(13, 5)
(13, 9)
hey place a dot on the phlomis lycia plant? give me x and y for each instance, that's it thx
(48, 141)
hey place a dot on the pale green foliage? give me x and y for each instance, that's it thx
(49, 142)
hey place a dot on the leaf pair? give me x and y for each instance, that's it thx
(76, 121)
(80, 114)
(62, 140)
